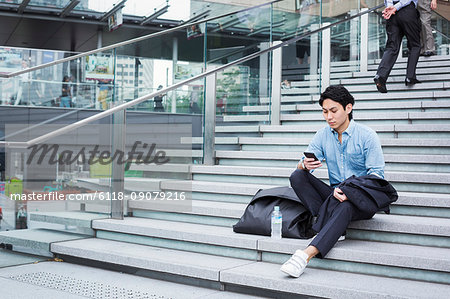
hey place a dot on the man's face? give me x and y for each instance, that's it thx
(335, 115)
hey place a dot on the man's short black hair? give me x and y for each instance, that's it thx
(340, 94)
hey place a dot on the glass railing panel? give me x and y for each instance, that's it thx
(14, 59)
(345, 37)
(157, 63)
(74, 83)
(377, 35)
(57, 186)
(242, 89)
(238, 35)
(441, 33)
(301, 71)
(160, 151)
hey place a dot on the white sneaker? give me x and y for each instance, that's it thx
(296, 265)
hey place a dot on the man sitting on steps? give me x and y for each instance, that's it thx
(354, 158)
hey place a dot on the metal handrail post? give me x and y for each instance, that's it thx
(326, 57)
(118, 137)
(364, 47)
(209, 152)
(275, 107)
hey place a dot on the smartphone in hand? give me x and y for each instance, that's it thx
(310, 155)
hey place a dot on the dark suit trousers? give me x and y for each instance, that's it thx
(406, 21)
(333, 216)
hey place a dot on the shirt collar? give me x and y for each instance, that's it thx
(350, 129)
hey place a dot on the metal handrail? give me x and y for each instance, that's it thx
(134, 40)
(124, 106)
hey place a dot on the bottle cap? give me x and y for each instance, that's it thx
(276, 208)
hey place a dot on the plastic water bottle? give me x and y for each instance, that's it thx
(277, 221)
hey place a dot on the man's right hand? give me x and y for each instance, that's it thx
(310, 163)
(433, 4)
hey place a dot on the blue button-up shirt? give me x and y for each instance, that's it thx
(399, 4)
(359, 153)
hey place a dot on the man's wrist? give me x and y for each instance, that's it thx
(302, 163)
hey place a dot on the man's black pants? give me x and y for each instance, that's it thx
(333, 216)
(406, 21)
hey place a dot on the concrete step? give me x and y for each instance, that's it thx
(237, 129)
(367, 118)
(402, 181)
(382, 254)
(432, 178)
(168, 167)
(397, 79)
(416, 204)
(131, 184)
(189, 264)
(370, 74)
(389, 158)
(37, 241)
(426, 75)
(391, 86)
(389, 106)
(422, 59)
(384, 131)
(390, 145)
(401, 72)
(332, 284)
(217, 207)
(444, 61)
(405, 224)
(384, 142)
(406, 117)
(267, 130)
(222, 241)
(237, 272)
(437, 200)
(417, 106)
(69, 218)
(198, 207)
(397, 96)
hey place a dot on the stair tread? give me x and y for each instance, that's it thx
(406, 224)
(151, 258)
(40, 235)
(77, 218)
(314, 282)
(331, 284)
(270, 171)
(271, 155)
(429, 142)
(405, 198)
(210, 233)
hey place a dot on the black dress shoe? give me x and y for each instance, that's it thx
(411, 82)
(381, 84)
(428, 53)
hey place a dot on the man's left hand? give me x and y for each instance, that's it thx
(339, 195)
(389, 11)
